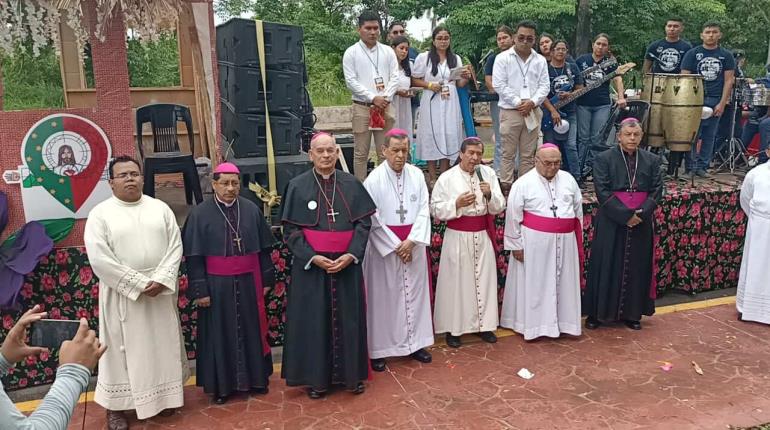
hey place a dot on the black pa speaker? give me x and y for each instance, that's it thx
(241, 87)
(245, 134)
(237, 43)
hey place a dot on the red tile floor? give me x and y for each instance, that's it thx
(608, 379)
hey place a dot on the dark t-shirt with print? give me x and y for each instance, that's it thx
(601, 95)
(567, 75)
(711, 64)
(669, 55)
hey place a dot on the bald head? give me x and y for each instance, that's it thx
(323, 153)
(548, 161)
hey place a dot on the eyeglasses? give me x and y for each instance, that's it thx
(528, 39)
(126, 175)
(550, 163)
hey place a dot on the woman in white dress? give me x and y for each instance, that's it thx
(402, 102)
(440, 126)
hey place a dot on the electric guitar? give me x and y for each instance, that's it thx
(547, 122)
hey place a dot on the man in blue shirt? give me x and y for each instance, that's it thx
(759, 122)
(665, 55)
(717, 67)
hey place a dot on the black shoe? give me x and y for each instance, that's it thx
(260, 390)
(378, 364)
(360, 388)
(453, 341)
(633, 325)
(592, 323)
(316, 393)
(740, 316)
(220, 400)
(488, 337)
(422, 356)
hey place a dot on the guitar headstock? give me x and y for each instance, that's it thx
(607, 63)
(625, 68)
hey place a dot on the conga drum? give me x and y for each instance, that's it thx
(682, 108)
(654, 133)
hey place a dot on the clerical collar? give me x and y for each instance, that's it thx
(227, 205)
(316, 172)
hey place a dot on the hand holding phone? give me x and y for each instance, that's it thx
(84, 348)
(15, 345)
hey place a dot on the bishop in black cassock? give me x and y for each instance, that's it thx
(227, 244)
(628, 183)
(326, 221)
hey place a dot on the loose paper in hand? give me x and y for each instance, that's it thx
(456, 73)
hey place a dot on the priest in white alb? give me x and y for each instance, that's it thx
(543, 231)
(134, 246)
(467, 197)
(396, 268)
(753, 299)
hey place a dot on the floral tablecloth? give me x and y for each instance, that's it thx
(700, 235)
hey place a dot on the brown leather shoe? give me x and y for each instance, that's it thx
(116, 420)
(167, 412)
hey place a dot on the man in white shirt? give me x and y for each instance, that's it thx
(520, 77)
(371, 75)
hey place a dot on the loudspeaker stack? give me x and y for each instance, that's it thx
(243, 100)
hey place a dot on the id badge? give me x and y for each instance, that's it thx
(379, 84)
(445, 91)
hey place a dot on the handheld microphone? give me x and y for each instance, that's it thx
(478, 173)
(654, 57)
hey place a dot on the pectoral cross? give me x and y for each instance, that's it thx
(401, 212)
(553, 209)
(237, 240)
(332, 214)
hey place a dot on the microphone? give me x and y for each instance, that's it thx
(654, 57)
(478, 173)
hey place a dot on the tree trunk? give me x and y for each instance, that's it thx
(583, 28)
(768, 51)
(2, 91)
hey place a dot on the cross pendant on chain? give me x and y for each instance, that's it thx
(553, 209)
(237, 239)
(401, 212)
(332, 214)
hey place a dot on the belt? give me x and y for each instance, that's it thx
(362, 103)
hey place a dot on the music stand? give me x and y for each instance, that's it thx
(736, 148)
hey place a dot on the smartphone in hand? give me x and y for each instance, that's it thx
(51, 333)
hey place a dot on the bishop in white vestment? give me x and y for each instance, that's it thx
(134, 246)
(753, 301)
(543, 231)
(396, 260)
(467, 196)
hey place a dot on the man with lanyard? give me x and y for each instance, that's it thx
(371, 75)
(628, 185)
(520, 76)
(665, 55)
(717, 67)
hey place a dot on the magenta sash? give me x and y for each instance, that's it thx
(474, 224)
(633, 199)
(559, 225)
(239, 265)
(401, 231)
(328, 241)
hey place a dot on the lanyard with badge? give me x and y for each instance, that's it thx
(379, 83)
(444, 84)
